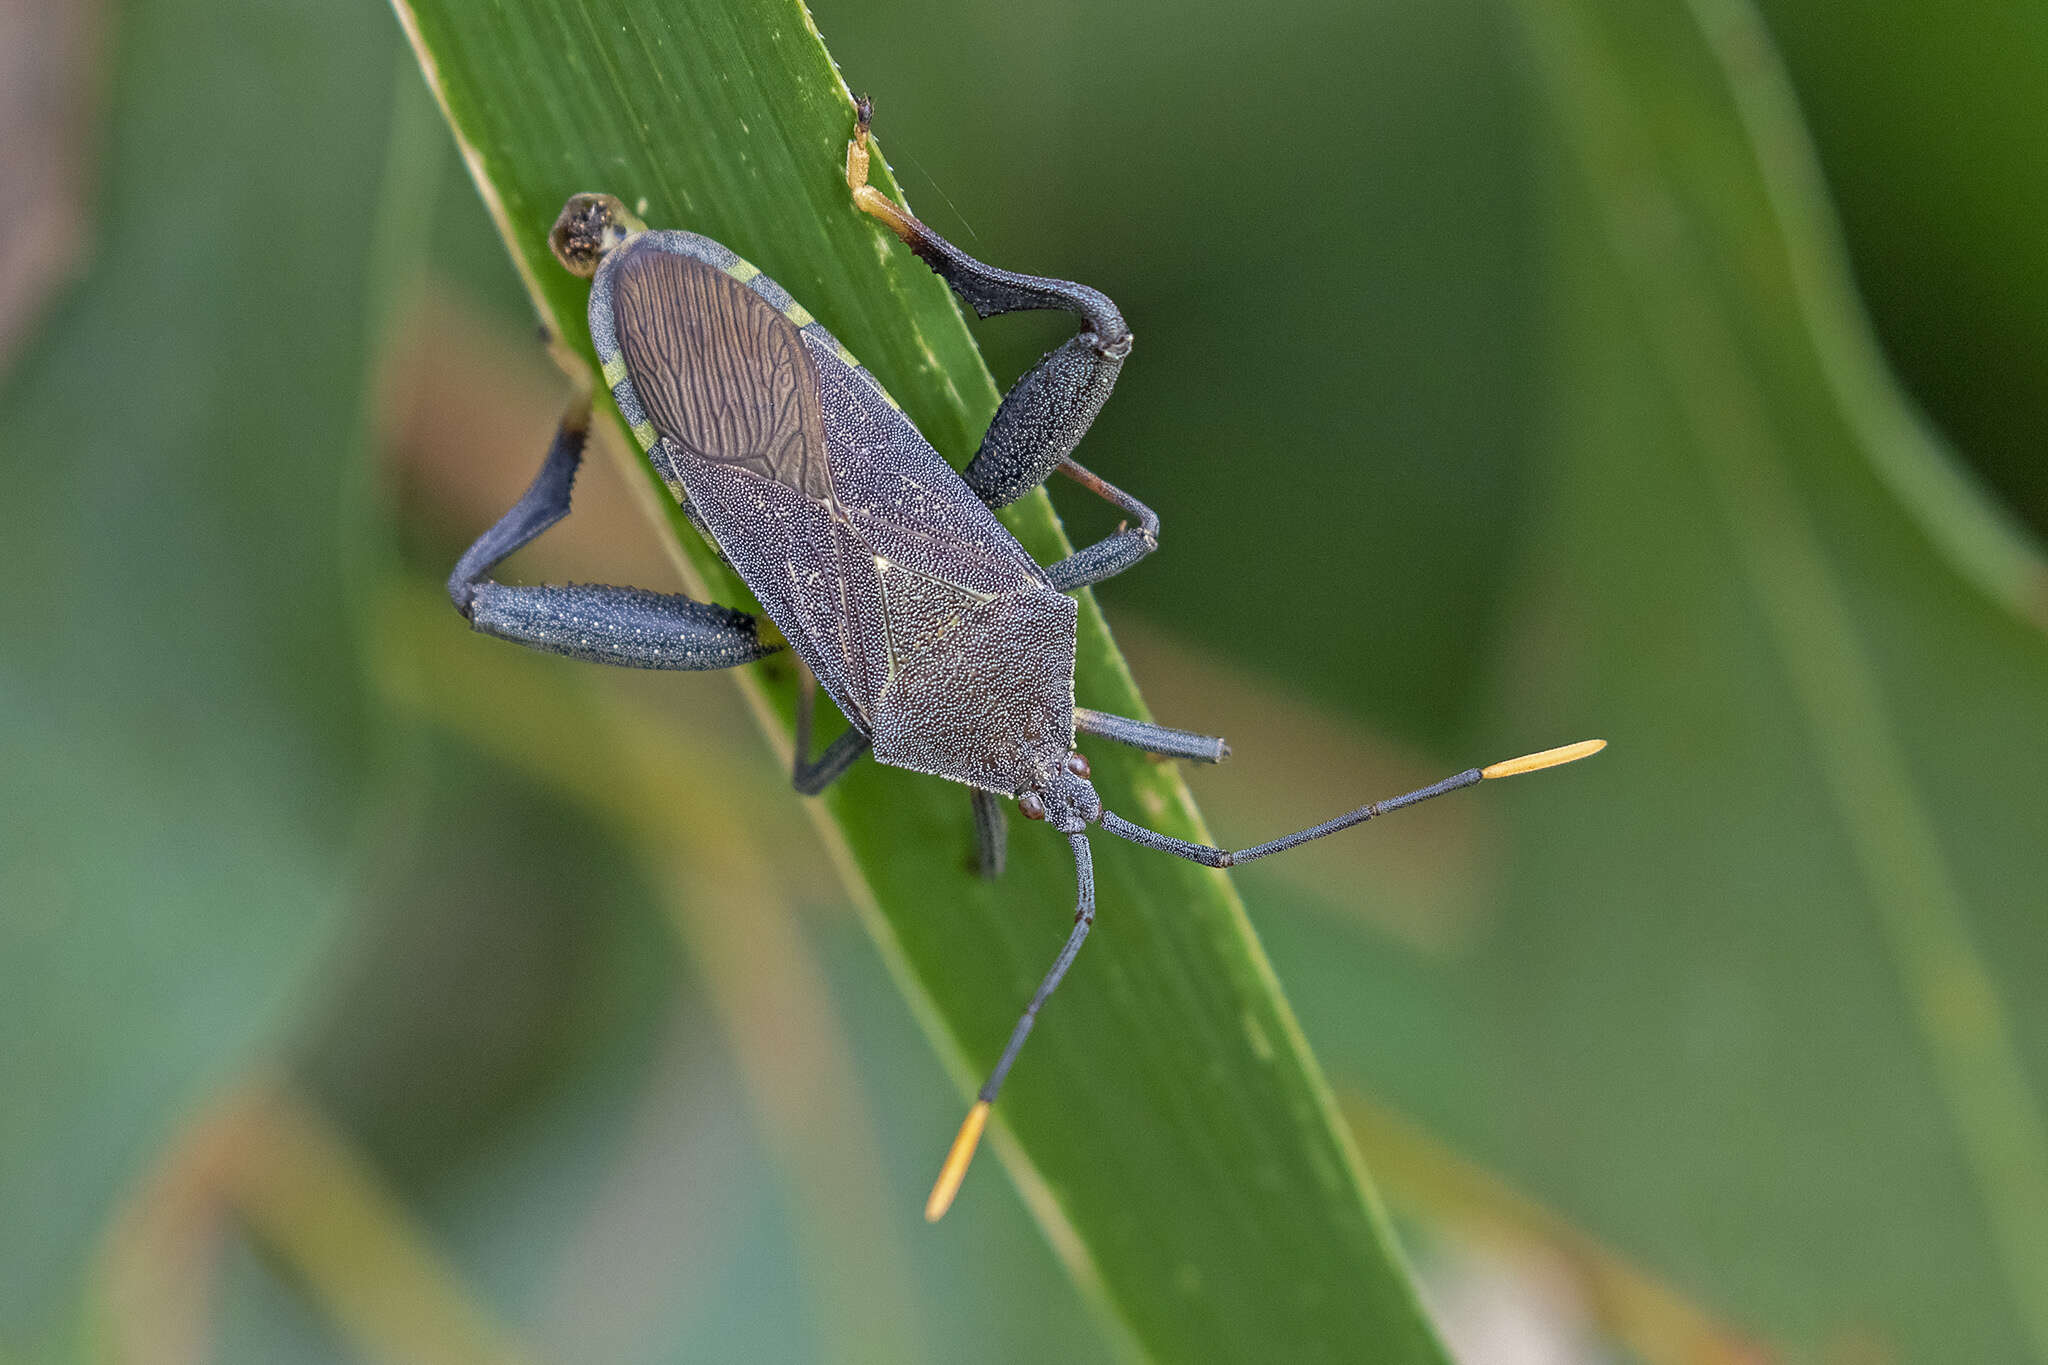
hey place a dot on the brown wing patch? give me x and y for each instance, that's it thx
(720, 371)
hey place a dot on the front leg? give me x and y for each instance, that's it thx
(630, 627)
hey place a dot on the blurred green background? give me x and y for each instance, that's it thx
(1506, 372)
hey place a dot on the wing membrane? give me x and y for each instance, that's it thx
(720, 371)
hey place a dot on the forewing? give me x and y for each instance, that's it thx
(721, 373)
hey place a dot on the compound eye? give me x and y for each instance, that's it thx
(1077, 765)
(1033, 806)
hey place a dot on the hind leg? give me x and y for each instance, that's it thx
(1046, 413)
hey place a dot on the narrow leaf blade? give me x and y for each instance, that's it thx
(1166, 1123)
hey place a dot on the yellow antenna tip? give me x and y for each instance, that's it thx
(1549, 758)
(955, 1169)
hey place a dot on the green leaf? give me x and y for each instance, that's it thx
(1166, 1123)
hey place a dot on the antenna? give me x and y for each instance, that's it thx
(1210, 856)
(969, 1137)
(962, 1151)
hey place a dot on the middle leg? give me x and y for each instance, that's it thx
(808, 775)
(1153, 739)
(991, 834)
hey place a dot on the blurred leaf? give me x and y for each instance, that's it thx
(46, 157)
(1928, 120)
(1980, 536)
(1168, 1128)
(260, 1154)
(1777, 1031)
(178, 703)
(1423, 1178)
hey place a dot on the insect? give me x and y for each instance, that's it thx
(949, 650)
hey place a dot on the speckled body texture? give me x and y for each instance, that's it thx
(923, 619)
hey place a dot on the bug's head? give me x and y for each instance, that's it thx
(590, 226)
(1067, 802)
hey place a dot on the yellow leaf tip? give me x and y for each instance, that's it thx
(955, 1169)
(1549, 758)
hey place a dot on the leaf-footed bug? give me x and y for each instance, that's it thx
(949, 650)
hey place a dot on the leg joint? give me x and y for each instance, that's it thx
(1116, 347)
